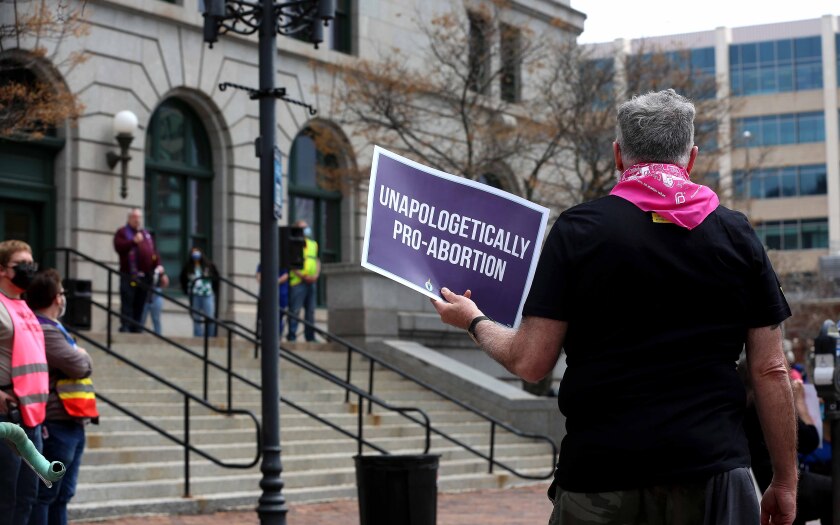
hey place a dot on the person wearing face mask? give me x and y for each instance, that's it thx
(200, 281)
(24, 384)
(302, 291)
(72, 402)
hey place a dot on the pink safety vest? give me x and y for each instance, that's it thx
(30, 375)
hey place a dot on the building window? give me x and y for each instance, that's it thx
(776, 67)
(796, 234)
(789, 181)
(179, 182)
(313, 196)
(341, 29)
(479, 53)
(706, 135)
(790, 128)
(511, 57)
(837, 54)
(654, 71)
(338, 36)
(600, 75)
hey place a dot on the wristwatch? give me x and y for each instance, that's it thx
(473, 324)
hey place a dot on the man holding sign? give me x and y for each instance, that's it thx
(653, 292)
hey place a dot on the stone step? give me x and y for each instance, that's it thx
(289, 419)
(228, 500)
(337, 475)
(291, 464)
(233, 452)
(306, 429)
(251, 395)
(130, 469)
(319, 407)
(474, 436)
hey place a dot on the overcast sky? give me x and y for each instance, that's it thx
(607, 20)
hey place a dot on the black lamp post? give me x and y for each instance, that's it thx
(269, 18)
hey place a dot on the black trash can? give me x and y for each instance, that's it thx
(397, 489)
(77, 292)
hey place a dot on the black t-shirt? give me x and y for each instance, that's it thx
(657, 317)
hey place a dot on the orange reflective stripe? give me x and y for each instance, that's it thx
(77, 396)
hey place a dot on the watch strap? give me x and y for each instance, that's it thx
(474, 323)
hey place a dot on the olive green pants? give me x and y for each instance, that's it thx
(728, 498)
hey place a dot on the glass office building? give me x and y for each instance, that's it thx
(779, 157)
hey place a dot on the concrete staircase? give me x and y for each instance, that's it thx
(130, 469)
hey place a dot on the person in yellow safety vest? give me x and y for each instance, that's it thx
(302, 287)
(24, 384)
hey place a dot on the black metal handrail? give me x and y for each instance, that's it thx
(230, 374)
(494, 422)
(185, 442)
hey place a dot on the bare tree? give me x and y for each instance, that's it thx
(452, 115)
(556, 138)
(29, 104)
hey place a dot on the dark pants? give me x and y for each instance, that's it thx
(18, 482)
(728, 498)
(133, 301)
(65, 442)
(302, 295)
(813, 500)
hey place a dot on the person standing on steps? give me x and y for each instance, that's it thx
(72, 402)
(139, 259)
(303, 292)
(24, 381)
(200, 281)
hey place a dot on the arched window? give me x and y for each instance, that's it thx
(314, 194)
(179, 182)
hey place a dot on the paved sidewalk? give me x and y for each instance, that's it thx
(515, 506)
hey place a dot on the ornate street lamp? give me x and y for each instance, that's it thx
(269, 18)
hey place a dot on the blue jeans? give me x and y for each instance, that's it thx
(283, 295)
(302, 295)
(18, 482)
(66, 443)
(153, 306)
(207, 305)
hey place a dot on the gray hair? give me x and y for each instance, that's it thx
(656, 127)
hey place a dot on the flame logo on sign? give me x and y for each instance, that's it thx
(429, 285)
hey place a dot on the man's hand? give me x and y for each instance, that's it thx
(4, 398)
(458, 311)
(778, 506)
(138, 237)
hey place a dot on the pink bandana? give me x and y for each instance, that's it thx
(666, 190)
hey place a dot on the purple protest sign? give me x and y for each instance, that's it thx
(427, 229)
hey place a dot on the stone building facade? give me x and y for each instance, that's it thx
(193, 168)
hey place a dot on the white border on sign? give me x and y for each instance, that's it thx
(377, 151)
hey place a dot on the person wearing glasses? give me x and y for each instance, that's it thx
(72, 402)
(24, 383)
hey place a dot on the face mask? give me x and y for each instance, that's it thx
(24, 272)
(195, 256)
(63, 308)
(307, 232)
